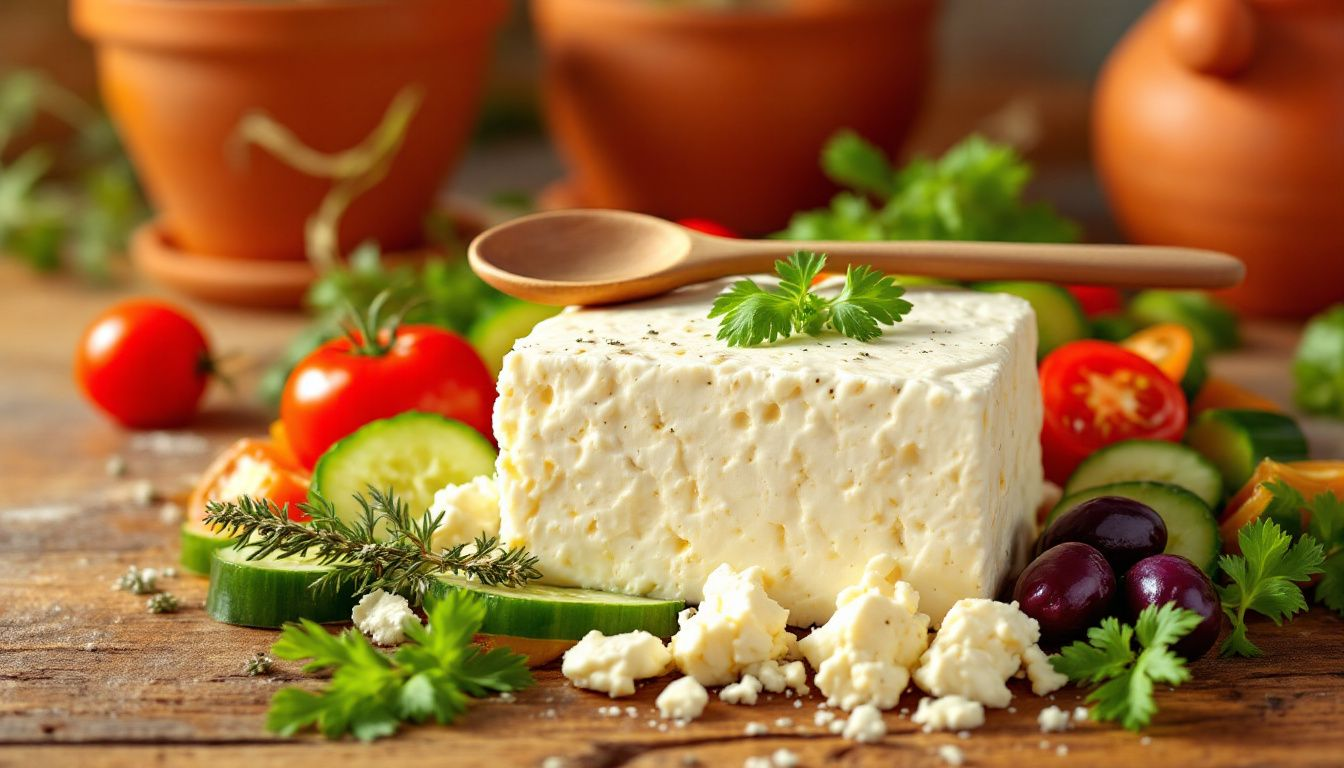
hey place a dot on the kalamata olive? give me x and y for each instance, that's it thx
(1162, 579)
(1123, 530)
(1066, 590)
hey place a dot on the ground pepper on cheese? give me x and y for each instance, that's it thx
(735, 626)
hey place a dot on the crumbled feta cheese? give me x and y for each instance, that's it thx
(864, 653)
(736, 625)
(784, 758)
(823, 717)
(380, 615)
(865, 724)
(1145, 740)
(757, 762)
(554, 761)
(949, 713)
(115, 466)
(755, 729)
(1044, 678)
(1081, 713)
(142, 493)
(469, 510)
(836, 726)
(1062, 750)
(682, 699)
(781, 678)
(797, 703)
(613, 664)
(742, 692)
(978, 648)
(952, 755)
(631, 712)
(1052, 719)
(783, 722)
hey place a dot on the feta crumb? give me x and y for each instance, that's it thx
(836, 726)
(735, 626)
(115, 466)
(142, 493)
(469, 510)
(554, 761)
(780, 678)
(979, 647)
(797, 703)
(1043, 744)
(949, 713)
(1145, 740)
(755, 729)
(744, 691)
(507, 697)
(783, 722)
(90, 646)
(380, 615)
(631, 712)
(784, 758)
(1081, 714)
(952, 755)
(1062, 750)
(1044, 678)
(963, 735)
(682, 699)
(822, 718)
(613, 664)
(550, 713)
(170, 513)
(757, 762)
(865, 724)
(1052, 719)
(690, 760)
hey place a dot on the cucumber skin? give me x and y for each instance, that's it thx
(1207, 563)
(1158, 446)
(569, 621)
(198, 549)
(247, 595)
(488, 334)
(1256, 435)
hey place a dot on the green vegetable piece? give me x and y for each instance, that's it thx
(1059, 317)
(1263, 579)
(1236, 440)
(1318, 368)
(1212, 323)
(1114, 327)
(494, 334)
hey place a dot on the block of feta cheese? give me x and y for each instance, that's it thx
(638, 452)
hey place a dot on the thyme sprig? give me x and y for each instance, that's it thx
(384, 547)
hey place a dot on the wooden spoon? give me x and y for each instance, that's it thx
(603, 257)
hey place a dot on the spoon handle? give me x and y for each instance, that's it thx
(1123, 266)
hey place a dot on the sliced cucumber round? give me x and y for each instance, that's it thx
(413, 454)
(1237, 440)
(1213, 325)
(494, 334)
(1192, 530)
(270, 591)
(1059, 316)
(1156, 460)
(199, 542)
(563, 613)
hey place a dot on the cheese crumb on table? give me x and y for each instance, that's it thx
(784, 758)
(952, 755)
(780, 678)
(743, 691)
(1081, 713)
(864, 653)
(737, 625)
(755, 729)
(1052, 719)
(981, 644)
(382, 615)
(682, 699)
(468, 509)
(949, 713)
(613, 664)
(865, 724)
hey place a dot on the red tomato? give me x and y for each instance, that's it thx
(145, 363)
(1097, 393)
(708, 226)
(252, 467)
(340, 387)
(1097, 299)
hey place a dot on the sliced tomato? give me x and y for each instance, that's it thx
(1097, 299)
(708, 226)
(252, 467)
(1097, 393)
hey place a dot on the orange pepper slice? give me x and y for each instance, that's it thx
(1310, 478)
(1169, 346)
(255, 467)
(1221, 393)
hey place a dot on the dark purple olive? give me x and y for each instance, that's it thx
(1163, 579)
(1123, 530)
(1066, 590)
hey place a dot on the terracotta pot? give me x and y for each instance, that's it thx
(1220, 123)
(178, 76)
(722, 115)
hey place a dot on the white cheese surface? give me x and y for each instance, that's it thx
(382, 616)
(638, 453)
(612, 664)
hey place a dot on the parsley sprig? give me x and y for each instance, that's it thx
(1325, 523)
(1127, 677)
(370, 694)
(752, 315)
(1263, 579)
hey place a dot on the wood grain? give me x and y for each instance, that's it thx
(88, 677)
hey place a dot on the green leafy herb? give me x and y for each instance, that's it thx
(370, 694)
(163, 602)
(1318, 368)
(384, 548)
(1325, 525)
(973, 192)
(1263, 579)
(1126, 677)
(138, 581)
(259, 664)
(752, 314)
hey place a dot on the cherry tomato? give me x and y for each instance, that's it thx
(145, 363)
(1097, 393)
(708, 226)
(1097, 299)
(252, 467)
(344, 384)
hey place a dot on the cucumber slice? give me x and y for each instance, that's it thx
(494, 334)
(198, 544)
(414, 454)
(1155, 460)
(1113, 327)
(271, 591)
(1192, 530)
(1059, 317)
(563, 613)
(1213, 325)
(1236, 440)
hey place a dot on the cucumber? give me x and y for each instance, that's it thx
(546, 612)
(494, 334)
(1059, 317)
(1235, 440)
(271, 591)
(1114, 327)
(198, 544)
(414, 454)
(1213, 325)
(1192, 530)
(1155, 460)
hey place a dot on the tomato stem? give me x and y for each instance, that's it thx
(365, 329)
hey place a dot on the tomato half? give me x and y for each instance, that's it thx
(252, 467)
(345, 384)
(1097, 299)
(708, 226)
(1097, 393)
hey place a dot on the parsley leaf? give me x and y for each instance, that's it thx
(1108, 657)
(1324, 516)
(1262, 579)
(752, 315)
(370, 694)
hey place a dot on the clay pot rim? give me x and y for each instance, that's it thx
(250, 25)
(637, 13)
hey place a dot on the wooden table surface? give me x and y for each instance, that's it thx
(88, 677)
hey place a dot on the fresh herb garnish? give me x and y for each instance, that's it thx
(386, 547)
(1263, 579)
(370, 694)
(1108, 657)
(752, 314)
(163, 602)
(259, 664)
(138, 581)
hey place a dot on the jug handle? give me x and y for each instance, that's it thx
(1212, 37)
